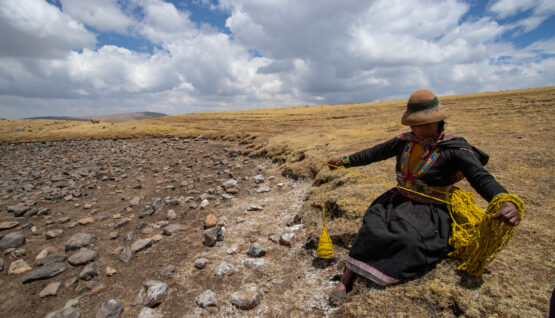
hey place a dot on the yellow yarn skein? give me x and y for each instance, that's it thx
(475, 236)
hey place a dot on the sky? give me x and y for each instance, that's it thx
(95, 57)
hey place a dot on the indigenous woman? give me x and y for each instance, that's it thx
(402, 232)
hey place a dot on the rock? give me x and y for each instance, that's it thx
(226, 196)
(12, 240)
(157, 238)
(211, 236)
(110, 309)
(232, 249)
(71, 283)
(78, 241)
(90, 271)
(18, 267)
(207, 298)
(126, 255)
(135, 201)
(141, 245)
(149, 313)
(287, 239)
(169, 270)
(82, 257)
(20, 252)
(122, 222)
(110, 271)
(85, 221)
(52, 289)
(231, 183)
(200, 263)
(239, 220)
(254, 208)
(70, 312)
(113, 235)
(210, 221)
(258, 178)
(247, 298)
(52, 258)
(90, 288)
(205, 203)
(172, 229)
(1, 264)
(256, 250)
(156, 292)
(53, 234)
(45, 252)
(223, 269)
(44, 272)
(263, 189)
(171, 215)
(147, 213)
(8, 225)
(63, 220)
(254, 262)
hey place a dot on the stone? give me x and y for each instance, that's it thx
(258, 178)
(135, 201)
(113, 235)
(146, 213)
(254, 262)
(231, 183)
(149, 313)
(263, 189)
(91, 287)
(53, 234)
(157, 238)
(110, 271)
(110, 309)
(256, 250)
(8, 225)
(12, 240)
(169, 270)
(1, 264)
(44, 272)
(210, 221)
(205, 203)
(82, 257)
(156, 292)
(90, 271)
(223, 269)
(122, 222)
(172, 229)
(233, 249)
(207, 298)
(211, 236)
(247, 298)
(200, 263)
(20, 252)
(52, 289)
(287, 239)
(141, 245)
(49, 259)
(18, 267)
(78, 241)
(254, 208)
(171, 215)
(70, 312)
(85, 221)
(126, 255)
(72, 283)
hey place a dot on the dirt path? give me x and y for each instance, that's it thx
(129, 191)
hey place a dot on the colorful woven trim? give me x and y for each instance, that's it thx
(345, 161)
(412, 180)
(369, 272)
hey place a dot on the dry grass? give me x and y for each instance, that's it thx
(514, 127)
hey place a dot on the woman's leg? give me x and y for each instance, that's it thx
(338, 294)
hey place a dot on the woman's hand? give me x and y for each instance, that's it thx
(508, 213)
(336, 162)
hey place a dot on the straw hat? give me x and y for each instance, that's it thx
(423, 108)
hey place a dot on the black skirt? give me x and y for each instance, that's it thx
(399, 238)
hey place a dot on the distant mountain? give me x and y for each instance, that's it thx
(114, 118)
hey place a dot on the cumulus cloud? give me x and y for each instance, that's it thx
(34, 28)
(274, 54)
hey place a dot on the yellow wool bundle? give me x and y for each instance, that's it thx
(476, 237)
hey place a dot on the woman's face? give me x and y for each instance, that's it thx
(425, 131)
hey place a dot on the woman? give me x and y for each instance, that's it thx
(403, 233)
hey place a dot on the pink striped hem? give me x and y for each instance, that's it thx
(369, 272)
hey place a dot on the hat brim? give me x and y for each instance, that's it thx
(424, 117)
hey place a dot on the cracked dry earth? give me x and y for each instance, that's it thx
(119, 228)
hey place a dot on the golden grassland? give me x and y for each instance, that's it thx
(516, 128)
